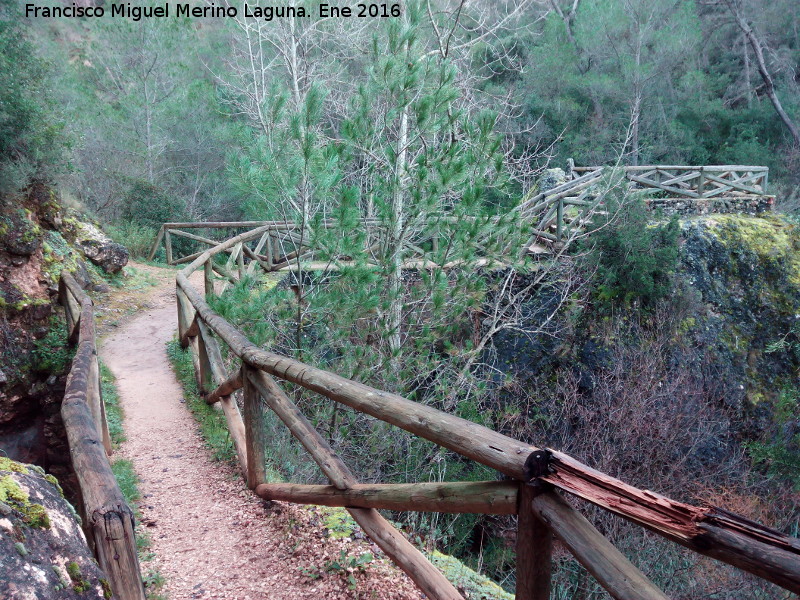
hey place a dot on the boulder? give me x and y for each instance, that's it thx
(93, 243)
(109, 256)
(42, 547)
(551, 178)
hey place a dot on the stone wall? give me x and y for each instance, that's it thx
(747, 205)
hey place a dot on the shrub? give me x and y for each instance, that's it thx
(148, 205)
(634, 259)
(52, 354)
(137, 238)
(779, 451)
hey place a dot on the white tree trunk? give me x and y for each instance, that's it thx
(395, 283)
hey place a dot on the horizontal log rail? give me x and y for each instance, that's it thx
(554, 224)
(108, 520)
(706, 530)
(482, 497)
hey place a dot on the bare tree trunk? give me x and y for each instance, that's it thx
(294, 66)
(769, 85)
(636, 110)
(396, 238)
(747, 84)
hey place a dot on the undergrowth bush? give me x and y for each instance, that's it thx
(211, 421)
(634, 258)
(52, 353)
(136, 237)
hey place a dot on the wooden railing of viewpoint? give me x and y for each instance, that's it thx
(536, 476)
(695, 182)
(284, 246)
(559, 213)
(107, 519)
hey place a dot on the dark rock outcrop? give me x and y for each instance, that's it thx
(38, 239)
(108, 255)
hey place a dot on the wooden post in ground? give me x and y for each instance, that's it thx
(205, 378)
(270, 257)
(94, 396)
(168, 245)
(255, 432)
(208, 277)
(154, 249)
(230, 409)
(560, 218)
(240, 261)
(701, 182)
(534, 550)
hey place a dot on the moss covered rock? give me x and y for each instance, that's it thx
(19, 233)
(42, 548)
(746, 271)
(95, 245)
(472, 585)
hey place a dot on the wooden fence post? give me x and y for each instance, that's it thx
(255, 432)
(608, 565)
(240, 261)
(560, 218)
(270, 258)
(701, 182)
(205, 380)
(94, 396)
(208, 276)
(534, 550)
(168, 245)
(154, 249)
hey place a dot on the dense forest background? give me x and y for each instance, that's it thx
(178, 109)
(658, 361)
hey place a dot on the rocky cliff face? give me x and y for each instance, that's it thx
(746, 272)
(737, 295)
(38, 238)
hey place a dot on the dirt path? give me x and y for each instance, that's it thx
(212, 538)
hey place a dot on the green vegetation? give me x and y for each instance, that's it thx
(136, 237)
(52, 354)
(30, 138)
(114, 415)
(434, 124)
(474, 584)
(212, 422)
(349, 566)
(634, 259)
(781, 453)
(79, 584)
(145, 205)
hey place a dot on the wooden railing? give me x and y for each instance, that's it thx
(536, 474)
(285, 247)
(695, 182)
(559, 214)
(107, 519)
(547, 211)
